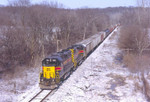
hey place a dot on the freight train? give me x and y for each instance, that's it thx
(58, 66)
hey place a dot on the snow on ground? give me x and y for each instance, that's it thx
(14, 84)
(100, 79)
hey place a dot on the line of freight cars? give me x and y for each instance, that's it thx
(58, 66)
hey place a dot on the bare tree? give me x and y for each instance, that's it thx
(20, 3)
(33, 25)
(143, 13)
(41, 24)
(135, 40)
(66, 25)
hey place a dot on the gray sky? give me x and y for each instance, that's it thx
(86, 3)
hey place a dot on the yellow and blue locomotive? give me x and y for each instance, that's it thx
(58, 66)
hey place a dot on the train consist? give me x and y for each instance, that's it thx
(58, 66)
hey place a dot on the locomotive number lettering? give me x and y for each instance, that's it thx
(48, 69)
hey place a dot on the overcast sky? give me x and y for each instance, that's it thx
(85, 3)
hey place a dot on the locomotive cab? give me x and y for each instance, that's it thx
(49, 75)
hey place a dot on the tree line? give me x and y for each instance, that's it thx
(134, 42)
(29, 32)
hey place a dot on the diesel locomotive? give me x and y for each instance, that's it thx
(58, 66)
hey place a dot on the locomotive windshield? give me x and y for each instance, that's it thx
(50, 62)
(80, 47)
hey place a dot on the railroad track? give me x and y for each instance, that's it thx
(42, 95)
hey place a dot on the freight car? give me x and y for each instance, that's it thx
(58, 66)
(91, 43)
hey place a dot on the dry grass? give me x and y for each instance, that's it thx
(136, 63)
(138, 87)
(146, 87)
(18, 79)
(129, 61)
(117, 80)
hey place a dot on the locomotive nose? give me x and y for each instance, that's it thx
(49, 72)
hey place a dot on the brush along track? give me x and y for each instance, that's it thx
(42, 95)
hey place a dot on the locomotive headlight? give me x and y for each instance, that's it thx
(47, 60)
(54, 60)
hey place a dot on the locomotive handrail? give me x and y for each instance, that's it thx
(72, 56)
